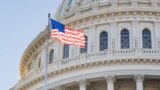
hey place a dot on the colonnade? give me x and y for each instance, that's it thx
(110, 81)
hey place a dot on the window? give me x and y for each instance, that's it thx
(84, 50)
(51, 56)
(146, 36)
(66, 51)
(103, 41)
(125, 39)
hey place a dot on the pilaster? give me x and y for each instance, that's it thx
(92, 39)
(135, 34)
(58, 50)
(114, 37)
(71, 51)
(157, 34)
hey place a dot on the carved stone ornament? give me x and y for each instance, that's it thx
(110, 79)
(139, 78)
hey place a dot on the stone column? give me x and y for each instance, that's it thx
(82, 85)
(139, 81)
(110, 82)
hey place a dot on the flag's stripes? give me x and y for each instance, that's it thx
(72, 37)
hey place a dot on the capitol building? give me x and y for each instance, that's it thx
(122, 48)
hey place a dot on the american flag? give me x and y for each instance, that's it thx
(67, 35)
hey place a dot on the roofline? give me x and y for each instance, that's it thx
(39, 37)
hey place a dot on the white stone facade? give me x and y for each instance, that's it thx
(115, 68)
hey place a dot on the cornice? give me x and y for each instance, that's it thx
(106, 7)
(29, 82)
(90, 19)
(113, 4)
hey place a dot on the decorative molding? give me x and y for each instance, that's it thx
(110, 79)
(83, 84)
(94, 64)
(139, 78)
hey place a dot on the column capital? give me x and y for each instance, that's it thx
(110, 79)
(83, 82)
(139, 77)
(57, 88)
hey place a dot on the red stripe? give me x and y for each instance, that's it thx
(70, 36)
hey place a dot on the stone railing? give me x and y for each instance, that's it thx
(110, 55)
(93, 57)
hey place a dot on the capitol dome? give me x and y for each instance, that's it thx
(122, 48)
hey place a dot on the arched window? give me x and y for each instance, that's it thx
(51, 56)
(146, 36)
(66, 51)
(125, 39)
(39, 62)
(84, 50)
(103, 41)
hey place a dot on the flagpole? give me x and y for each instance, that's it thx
(46, 61)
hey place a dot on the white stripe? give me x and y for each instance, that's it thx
(70, 37)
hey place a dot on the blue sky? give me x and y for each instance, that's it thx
(20, 22)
